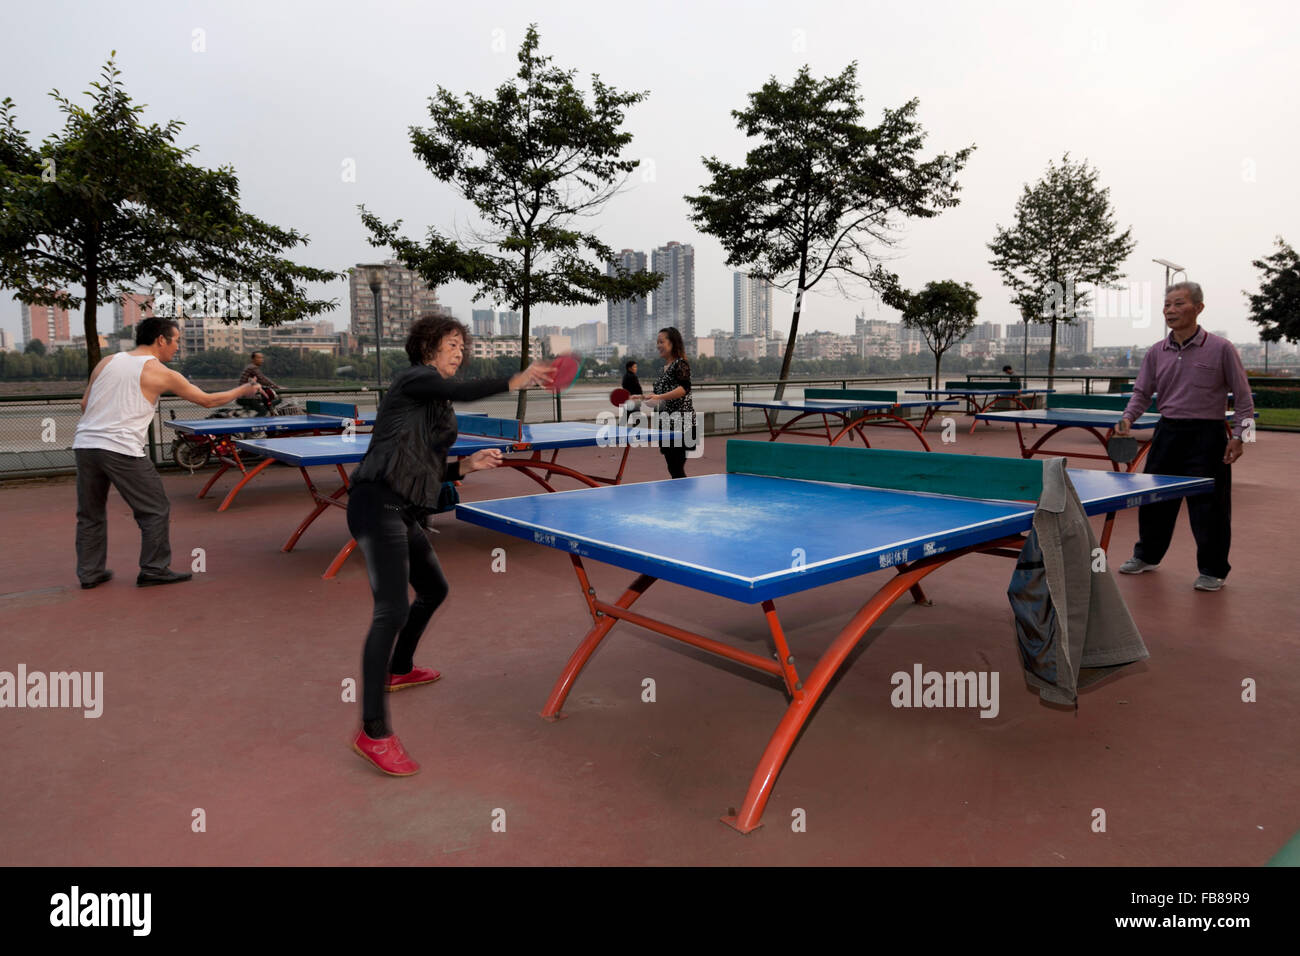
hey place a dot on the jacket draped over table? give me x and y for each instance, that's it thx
(1080, 630)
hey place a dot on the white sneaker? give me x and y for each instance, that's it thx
(1207, 583)
(1136, 566)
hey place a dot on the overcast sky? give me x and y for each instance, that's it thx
(1189, 111)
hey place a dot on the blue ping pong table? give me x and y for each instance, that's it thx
(475, 433)
(1098, 422)
(978, 399)
(854, 409)
(220, 434)
(837, 512)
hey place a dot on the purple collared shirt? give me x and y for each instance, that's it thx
(1193, 381)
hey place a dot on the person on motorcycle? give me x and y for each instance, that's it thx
(267, 398)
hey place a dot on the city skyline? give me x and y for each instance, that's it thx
(1197, 162)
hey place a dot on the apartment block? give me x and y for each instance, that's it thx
(404, 295)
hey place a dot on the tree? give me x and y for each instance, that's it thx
(1063, 243)
(944, 312)
(820, 192)
(34, 347)
(531, 161)
(109, 201)
(1276, 307)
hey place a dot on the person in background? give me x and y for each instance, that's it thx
(631, 384)
(253, 373)
(673, 398)
(1193, 371)
(120, 401)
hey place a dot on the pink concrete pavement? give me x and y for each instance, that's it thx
(224, 695)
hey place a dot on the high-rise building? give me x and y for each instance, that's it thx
(674, 300)
(512, 323)
(1074, 338)
(588, 336)
(6, 341)
(49, 323)
(751, 305)
(484, 322)
(629, 319)
(405, 297)
(208, 334)
(130, 309)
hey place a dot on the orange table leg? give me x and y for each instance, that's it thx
(802, 706)
(248, 476)
(578, 660)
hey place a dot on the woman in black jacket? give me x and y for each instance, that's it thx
(393, 490)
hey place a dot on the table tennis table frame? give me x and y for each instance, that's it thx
(535, 467)
(852, 422)
(973, 406)
(226, 450)
(803, 693)
(1037, 448)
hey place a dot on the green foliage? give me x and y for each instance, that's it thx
(1276, 306)
(109, 202)
(34, 347)
(1064, 240)
(531, 160)
(820, 193)
(1277, 397)
(944, 312)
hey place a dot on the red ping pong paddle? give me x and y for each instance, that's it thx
(619, 397)
(566, 370)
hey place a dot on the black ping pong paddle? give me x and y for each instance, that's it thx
(1122, 449)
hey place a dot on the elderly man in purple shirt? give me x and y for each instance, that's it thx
(1193, 372)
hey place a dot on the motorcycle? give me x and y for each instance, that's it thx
(194, 451)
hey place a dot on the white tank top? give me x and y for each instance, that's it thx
(117, 414)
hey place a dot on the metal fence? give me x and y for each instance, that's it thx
(36, 432)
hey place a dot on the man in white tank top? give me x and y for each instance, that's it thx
(120, 401)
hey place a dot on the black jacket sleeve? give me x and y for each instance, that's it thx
(428, 388)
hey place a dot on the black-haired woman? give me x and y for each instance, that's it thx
(393, 490)
(672, 399)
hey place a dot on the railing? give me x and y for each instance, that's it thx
(36, 431)
(1114, 383)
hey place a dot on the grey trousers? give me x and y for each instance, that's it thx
(140, 486)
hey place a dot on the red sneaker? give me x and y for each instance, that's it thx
(418, 675)
(386, 753)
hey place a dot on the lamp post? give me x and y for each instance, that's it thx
(1024, 382)
(1170, 268)
(375, 279)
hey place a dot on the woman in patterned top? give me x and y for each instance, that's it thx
(673, 396)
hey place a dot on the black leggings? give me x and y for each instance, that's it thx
(675, 458)
(397, 550)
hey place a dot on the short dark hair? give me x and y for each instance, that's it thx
(150, 330)
(427, 333)
(1007, 368)
(630, 363)
(254, 354)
